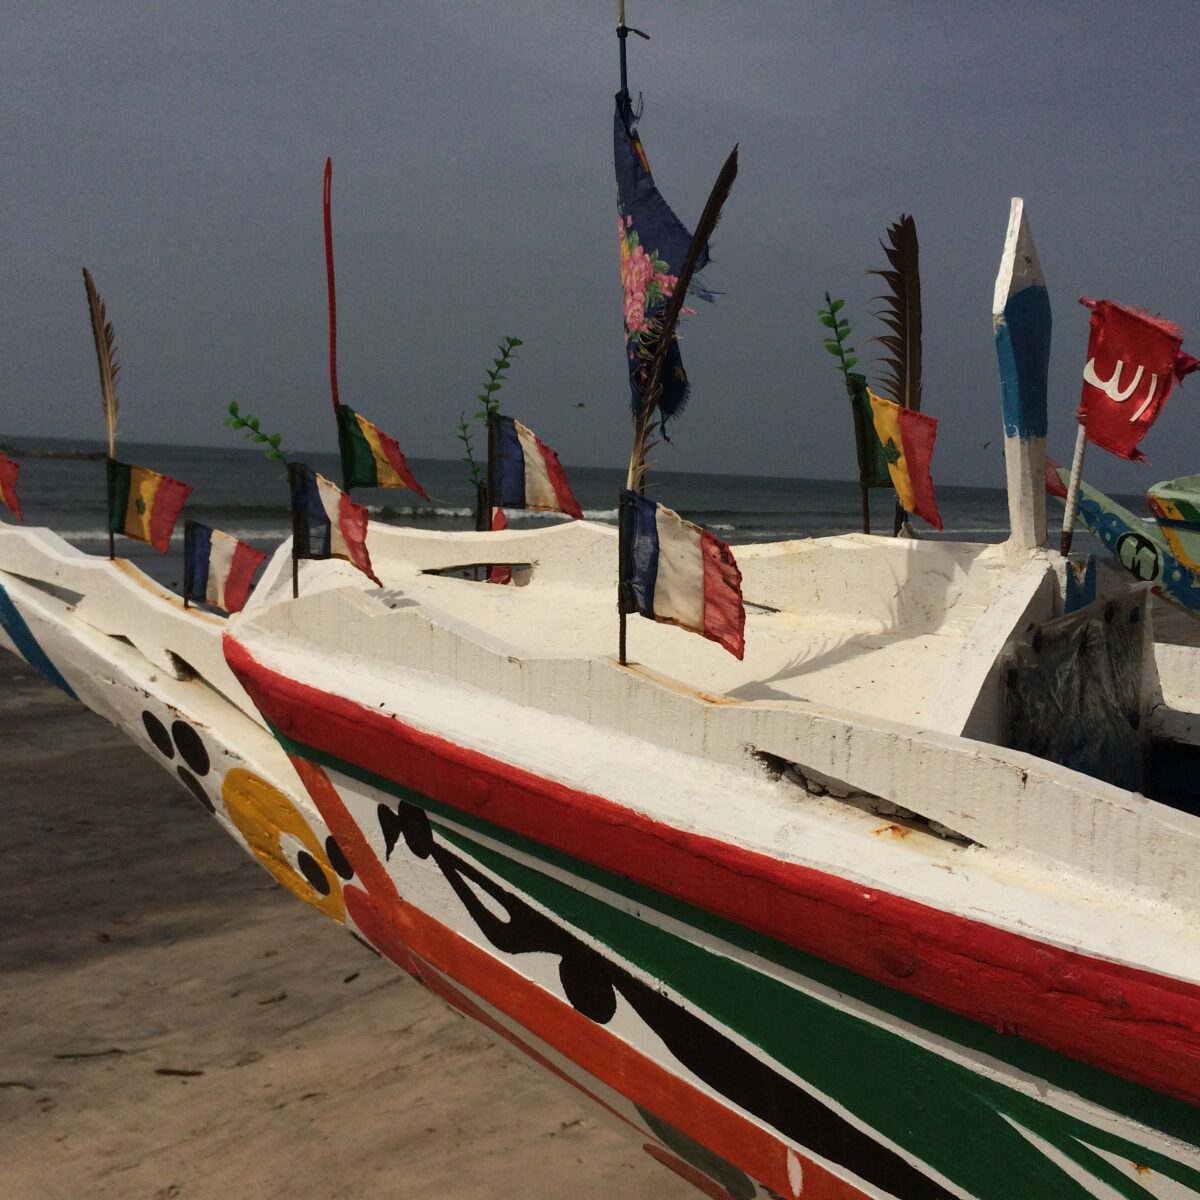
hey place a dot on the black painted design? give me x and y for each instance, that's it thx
(157, 732)
(313, 872)
(191, 748)
(194, 786)
(410, 821)
(592, 983)
(337, 859)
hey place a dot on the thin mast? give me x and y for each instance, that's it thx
(333, 386)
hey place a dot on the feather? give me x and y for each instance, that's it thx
(102, 331)
(643, 424)
(902, 315)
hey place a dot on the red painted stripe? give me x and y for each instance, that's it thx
(724, 613)
(1141, 1026)
(398, 463)
(246, 560)
(168, 500)
(412, 939)
(352, 522)
(558, 481)
(917, 433)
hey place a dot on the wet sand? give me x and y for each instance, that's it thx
(172, 1024)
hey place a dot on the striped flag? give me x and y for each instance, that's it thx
(9, 471)
(527, 473)
(369, 457)
(326, 523)
(142, 504)
(218, 568)
(678, 573)
(907, 438)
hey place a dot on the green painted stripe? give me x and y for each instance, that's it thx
(118, 478)
(359, 468)
(944, 1113)
(1131, 1100)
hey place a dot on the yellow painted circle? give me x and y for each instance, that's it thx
(263, 815)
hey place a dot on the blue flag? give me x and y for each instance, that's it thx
(654, 243)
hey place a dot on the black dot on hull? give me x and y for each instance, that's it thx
(311, 870)
(194, 786)
(191, 748)
(157, 733)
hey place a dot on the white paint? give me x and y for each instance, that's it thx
(1019, 265)
(679, 588)
(795, 1173)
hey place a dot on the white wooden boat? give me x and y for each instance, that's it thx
(902, 905)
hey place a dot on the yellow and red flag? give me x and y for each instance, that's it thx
(9, 471)
(142, 504)
(907, 439)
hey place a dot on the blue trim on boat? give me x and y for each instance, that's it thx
(1023, 348)
(27, 645)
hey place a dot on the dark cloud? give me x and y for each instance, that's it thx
(177, 150)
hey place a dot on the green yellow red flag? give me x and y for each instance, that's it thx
(907, 436)
(143, 504)
(369, 457)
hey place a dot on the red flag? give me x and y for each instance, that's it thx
(9, 471)
(1054, 483)
(1132, 364)
(499, 574)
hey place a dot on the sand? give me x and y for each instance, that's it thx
(172, 1024)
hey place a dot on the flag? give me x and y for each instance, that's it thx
(678, 573)
(369, 457)
(143, 504)
(653, 244)
(326, 523)
(1056, 485)
(218, 568)
(526, 473)
(1132, 365)
(499, 574)
(9, 471)
(907, 439)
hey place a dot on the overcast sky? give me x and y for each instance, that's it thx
(177, 150)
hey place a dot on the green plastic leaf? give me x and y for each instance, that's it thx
(828, 321)
(231, 422)
(275, 439)
(837, 306)
(850, 362)
(233, 407)
(833, 346)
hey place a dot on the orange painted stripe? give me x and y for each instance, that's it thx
(755, 1150)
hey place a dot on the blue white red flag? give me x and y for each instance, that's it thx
(326, 523)
(679, 573)
(527, 473)
(218, 568)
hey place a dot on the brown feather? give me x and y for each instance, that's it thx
(902, 315)
(102, 331)
(653, 390)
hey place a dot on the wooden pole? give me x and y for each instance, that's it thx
(1068, 528)
(294, 470)
(110, 465)
(622, 581)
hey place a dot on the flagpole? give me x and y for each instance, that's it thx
(1068, 528)
(187, 579)
(622, 581)
(331, 297)
(292, 469)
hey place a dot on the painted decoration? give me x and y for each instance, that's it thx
(1175, 504)
(27, 646)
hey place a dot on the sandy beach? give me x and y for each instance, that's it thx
(172, 1024)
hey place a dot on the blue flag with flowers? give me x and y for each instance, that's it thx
(654, 243)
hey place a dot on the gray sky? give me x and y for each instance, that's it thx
(177, 150)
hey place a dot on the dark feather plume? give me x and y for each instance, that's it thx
(643, 423)
(902, 315)
(102, 331)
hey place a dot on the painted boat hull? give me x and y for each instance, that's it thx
(761, 1033)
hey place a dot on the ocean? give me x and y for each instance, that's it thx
(240, 491)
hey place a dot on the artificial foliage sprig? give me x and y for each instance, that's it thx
(250, 427)
(490, 401)
(837, 343)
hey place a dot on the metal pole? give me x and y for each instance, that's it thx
(293, 470)
(622, 581)
(1068, 528)
(622, 34)
(866, 509)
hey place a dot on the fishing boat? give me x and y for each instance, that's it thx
(900, 902)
